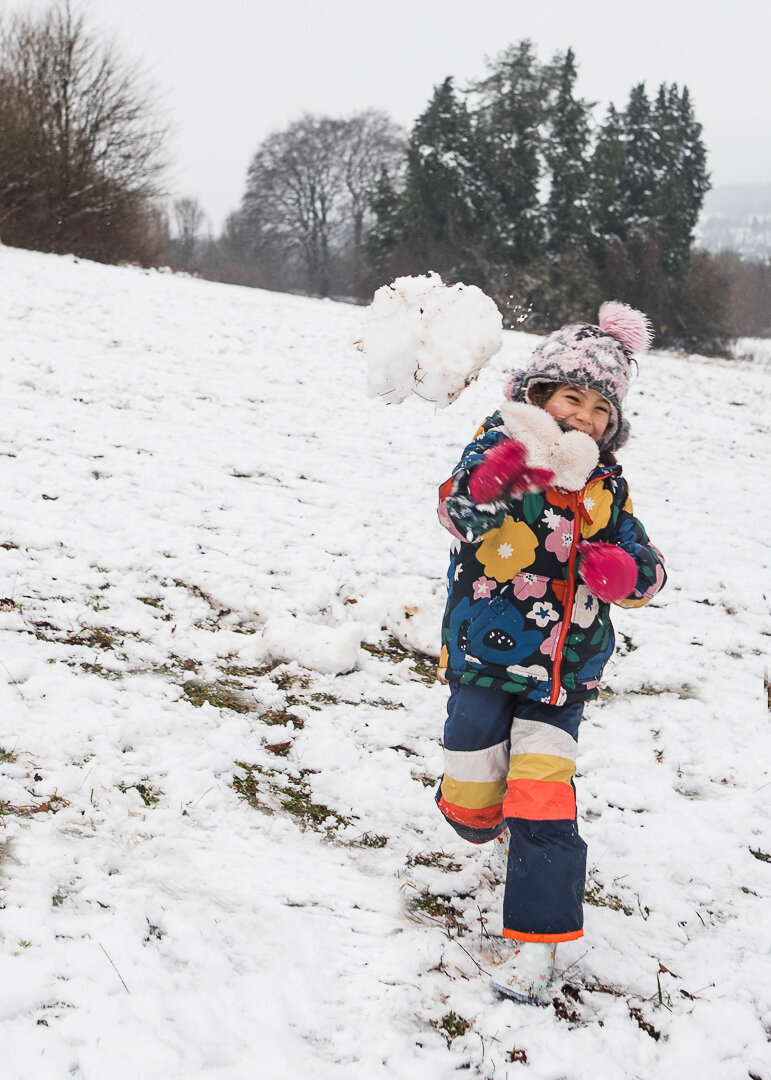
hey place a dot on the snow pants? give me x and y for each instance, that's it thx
(511, 762)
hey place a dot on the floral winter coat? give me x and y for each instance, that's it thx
(518, 615)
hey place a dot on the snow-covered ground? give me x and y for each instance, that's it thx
(201, 505)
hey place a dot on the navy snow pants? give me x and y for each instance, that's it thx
(509, 761)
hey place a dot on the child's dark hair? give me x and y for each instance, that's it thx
(539, 393)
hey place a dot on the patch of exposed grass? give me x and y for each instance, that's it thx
(684, 692)
(6, 755)
(564, 1012)
(423, 666)
(280, 716)
(151, 601)
(436, 859)
(102, 672)
(262, 788)
(761, 855)
(404, 750)
(95, 602)
(643, 1024)
(372, 840)
(438, 907)
(453, 1026)
(146, 789)
(201, 594)
(218, 694)
(425, 779)
(240, 671)
(8, 604)
(52, 805)
(279, 749)
(96, 637)
(289, 680)
(284, 679)
(248, 788)
(297, 800)
(596, 897)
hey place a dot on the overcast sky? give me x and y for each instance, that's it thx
(229, 72)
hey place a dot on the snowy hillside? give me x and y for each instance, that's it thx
(222, 580)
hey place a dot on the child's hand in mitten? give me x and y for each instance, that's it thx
(607, 571)
(505, 468)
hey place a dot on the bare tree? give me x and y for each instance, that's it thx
(190, 220)
(372, 143)
(308, 191)
(80, 155)
(293, 193)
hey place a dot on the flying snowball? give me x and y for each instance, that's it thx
(427, 338)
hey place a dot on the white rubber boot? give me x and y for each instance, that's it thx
(526, 975)
(501, 845)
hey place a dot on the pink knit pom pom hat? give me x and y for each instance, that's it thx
(597, 357)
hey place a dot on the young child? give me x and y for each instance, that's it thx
(545, 540)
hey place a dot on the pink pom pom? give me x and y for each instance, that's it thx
(629, 327)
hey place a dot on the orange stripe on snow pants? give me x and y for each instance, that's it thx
(516, 935)
(540, 800)
(484, 818)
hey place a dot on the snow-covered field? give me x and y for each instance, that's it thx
(219, 735)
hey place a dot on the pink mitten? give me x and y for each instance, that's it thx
(607, 570)
(505, 468)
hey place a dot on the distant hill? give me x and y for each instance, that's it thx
(737, 216)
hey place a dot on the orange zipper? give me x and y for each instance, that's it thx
(579, 511)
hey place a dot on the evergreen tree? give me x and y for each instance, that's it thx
(437, 221)
(680, 174)
(617, 221)
(568, 288)
(385, 238)
(604, 180)
(442, 190)
(567, 208)
(511, 112)
(648, 230)
(637, 177)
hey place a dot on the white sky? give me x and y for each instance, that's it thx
(229, 72)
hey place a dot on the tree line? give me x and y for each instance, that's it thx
(509, 183)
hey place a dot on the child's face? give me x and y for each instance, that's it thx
(581, 409)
